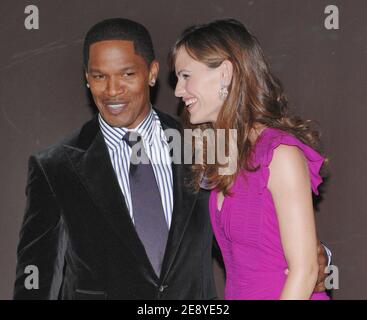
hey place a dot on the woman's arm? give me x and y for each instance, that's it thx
(290, 186)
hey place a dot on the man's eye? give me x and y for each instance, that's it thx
(98, 76)
(128, 74)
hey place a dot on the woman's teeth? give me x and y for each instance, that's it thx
(190, 102)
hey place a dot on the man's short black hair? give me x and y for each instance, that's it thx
(120, 29)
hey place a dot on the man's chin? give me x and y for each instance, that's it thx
(118, 124)
(114, 121)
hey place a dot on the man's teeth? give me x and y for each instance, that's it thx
(116, 106)
(190, 101)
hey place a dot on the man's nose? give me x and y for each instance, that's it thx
(114, 87)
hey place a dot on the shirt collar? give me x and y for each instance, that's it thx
(113, 135)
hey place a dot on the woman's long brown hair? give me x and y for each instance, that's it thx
(255, 94)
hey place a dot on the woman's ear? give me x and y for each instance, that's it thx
(226, 72)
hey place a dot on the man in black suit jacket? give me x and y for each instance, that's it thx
(77, 230)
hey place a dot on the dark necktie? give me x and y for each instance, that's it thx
(149, 219)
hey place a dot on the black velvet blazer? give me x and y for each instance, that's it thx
(77, 230)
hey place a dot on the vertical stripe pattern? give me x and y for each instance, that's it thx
(157, 149)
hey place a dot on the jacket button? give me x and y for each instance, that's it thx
(162, 288)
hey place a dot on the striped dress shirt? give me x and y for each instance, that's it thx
(157, 149)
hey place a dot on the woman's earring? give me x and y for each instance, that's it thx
(223, 92)
(152, 83)
(88, 86)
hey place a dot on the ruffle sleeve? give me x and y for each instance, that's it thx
(277, 137)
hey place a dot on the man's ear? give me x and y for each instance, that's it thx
(153, 72)
(226, 72)
(86, 75)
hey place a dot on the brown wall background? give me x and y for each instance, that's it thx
(43, 98)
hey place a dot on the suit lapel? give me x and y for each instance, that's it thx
(182, 210)
(183, 203)
(93, 166)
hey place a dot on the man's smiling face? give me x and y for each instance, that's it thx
(119, 82)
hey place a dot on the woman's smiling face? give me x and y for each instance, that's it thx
(198, 86)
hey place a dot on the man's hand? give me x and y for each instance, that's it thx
(322, 259)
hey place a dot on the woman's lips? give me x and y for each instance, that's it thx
(189, 103)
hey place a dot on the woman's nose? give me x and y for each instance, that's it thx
(179, 90)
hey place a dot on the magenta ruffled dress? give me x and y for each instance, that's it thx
(247, 228)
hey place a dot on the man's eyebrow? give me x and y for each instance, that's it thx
(93, 69)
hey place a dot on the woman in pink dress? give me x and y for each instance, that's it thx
(262, 213)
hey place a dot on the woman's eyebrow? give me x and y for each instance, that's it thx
(181, 71)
